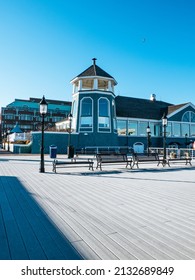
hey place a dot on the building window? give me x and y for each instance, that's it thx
(86, 114)
(114, 116)
(132, 128)
(26, 117)
(169, 130)
(74, 113)
(192, 130)
(176, 129)
(142, 128)
(56, 119)
(9, 117)
(103, 114)
(121, 127)
(155, 129)
(185, 129)
(188, 117)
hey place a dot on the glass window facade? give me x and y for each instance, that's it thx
(139, 128)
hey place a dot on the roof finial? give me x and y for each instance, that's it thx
(94, 59)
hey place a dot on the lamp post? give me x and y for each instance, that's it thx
(186, 140)
(148, 130)
(70, 151)
(8, 132)
(3, 140)
(43, 112)
(164, 124)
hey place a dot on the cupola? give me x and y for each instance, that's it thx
(93, 79)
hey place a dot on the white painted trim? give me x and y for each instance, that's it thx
(180, 109)
(91, 91)
(93, 77)
(136, 119)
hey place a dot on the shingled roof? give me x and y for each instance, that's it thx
(94, 70)
(173, 108)
(131, 107)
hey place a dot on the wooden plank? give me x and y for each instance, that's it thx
(4, 252)
(32, 245)
(53, 242)
(15, 241)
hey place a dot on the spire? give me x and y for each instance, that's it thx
(94, 65)
(94, 59)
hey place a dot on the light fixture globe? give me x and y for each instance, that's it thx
(43, 106)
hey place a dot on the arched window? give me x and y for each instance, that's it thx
(86, 114)
(188, 117)
(74, 113)
(187, 128)
(103, 114)
(114, 116)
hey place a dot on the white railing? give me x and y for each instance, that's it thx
(97, 149)
(177, 151)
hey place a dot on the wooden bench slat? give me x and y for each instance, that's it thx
(62, 164)
(186, 160)
(144, 158)
(112, 159)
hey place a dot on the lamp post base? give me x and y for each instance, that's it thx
(42, 170)
(42, 166)
(164, 162)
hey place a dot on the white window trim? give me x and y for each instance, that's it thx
(82, 129)
(102, 130)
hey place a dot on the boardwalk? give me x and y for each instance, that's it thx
(79, 214)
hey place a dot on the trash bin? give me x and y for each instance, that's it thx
(52, 151)
(70, 151)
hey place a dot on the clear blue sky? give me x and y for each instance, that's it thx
(148, 46)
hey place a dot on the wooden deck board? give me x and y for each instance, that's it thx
(4, 252)
(14, 239)
(110, 215)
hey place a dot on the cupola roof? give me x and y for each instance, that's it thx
(95, 70)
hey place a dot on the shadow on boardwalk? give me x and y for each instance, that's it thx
(26, 231)
(118, 173)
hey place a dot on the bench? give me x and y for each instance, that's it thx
(145, 158)
(71, 163)
(186, 160)
(112, 159)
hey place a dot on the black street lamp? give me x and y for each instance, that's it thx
(3, 140)
(164, 124)
(186, 140)
(148, 130)
(8, 148)
(43, 112)
(70, 148)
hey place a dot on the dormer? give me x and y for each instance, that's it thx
(94, 79)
